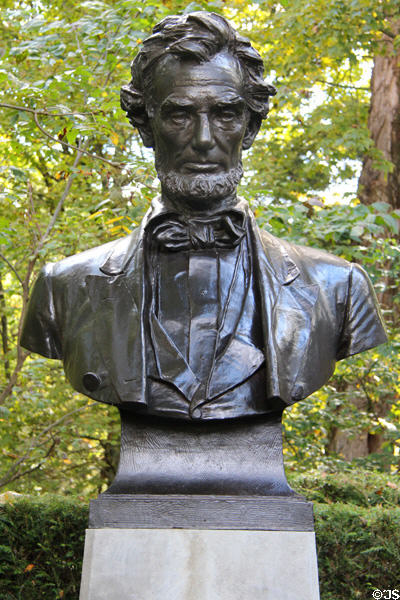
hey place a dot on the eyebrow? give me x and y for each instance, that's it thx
(229, 101)
(237, 101)
(176, 102)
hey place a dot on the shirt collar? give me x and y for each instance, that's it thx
(160, 208)
(120, 257)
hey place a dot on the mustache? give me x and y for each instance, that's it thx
(204, 187)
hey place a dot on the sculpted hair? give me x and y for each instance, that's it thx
(199, 36)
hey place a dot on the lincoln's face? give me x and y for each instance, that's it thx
(199, 120)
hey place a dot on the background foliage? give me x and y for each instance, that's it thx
(73, 175)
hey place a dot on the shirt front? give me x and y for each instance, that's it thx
(191, 291)
(200, 298)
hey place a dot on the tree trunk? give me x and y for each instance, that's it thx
(378, 186)
(384, 126)
(4, 331)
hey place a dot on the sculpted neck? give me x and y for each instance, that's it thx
(200, 207)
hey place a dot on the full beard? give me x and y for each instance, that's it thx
(202, 189)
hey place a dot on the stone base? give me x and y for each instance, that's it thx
(152, 511)
(192, 564)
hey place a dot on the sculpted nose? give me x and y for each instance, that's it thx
(203, 138)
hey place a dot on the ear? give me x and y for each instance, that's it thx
(146, 134)
(133, 103)
(253, 127)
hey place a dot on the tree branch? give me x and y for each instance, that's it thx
(47, 113)
(95, 156)
(59, 206)
(343, 86)
(21, 357)
(35, 443)
(4, 330)
(38, 234)
(25, 283)
(18, 475)
(2, 257)
(389, 34)
(61, 419)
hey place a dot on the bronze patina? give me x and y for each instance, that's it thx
(199, 326)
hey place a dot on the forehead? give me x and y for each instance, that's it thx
(175, 79)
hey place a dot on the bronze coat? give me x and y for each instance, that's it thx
(89, 311)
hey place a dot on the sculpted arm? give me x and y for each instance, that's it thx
(363, 326)
(40, 332)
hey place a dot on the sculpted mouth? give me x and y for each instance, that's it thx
(200, 167)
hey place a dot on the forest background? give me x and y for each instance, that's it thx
(324, 171)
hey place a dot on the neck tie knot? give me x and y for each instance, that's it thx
(225, 230)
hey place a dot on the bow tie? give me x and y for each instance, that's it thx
(225, 230)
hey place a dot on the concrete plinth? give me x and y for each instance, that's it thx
(191, 564)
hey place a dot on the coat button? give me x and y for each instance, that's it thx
(91, 381)
(197, 414)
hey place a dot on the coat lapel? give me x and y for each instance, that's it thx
(287, 304)
(291, 328)
(287, 313)
(237, 357)
(171, 365)
(117, 301)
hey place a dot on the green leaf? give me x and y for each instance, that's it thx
(381, 206)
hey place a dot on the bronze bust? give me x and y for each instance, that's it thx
(198, 314)
(200, 327)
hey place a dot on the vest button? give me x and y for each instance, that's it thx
(91, 381)
(197, 414)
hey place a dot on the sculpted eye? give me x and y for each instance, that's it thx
(226, 115)
(179, 116)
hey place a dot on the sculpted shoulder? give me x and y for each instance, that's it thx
(313, 263)
(59, 300)
(90, 261)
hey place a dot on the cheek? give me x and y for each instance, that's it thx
(170, 137)
(231, 138)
